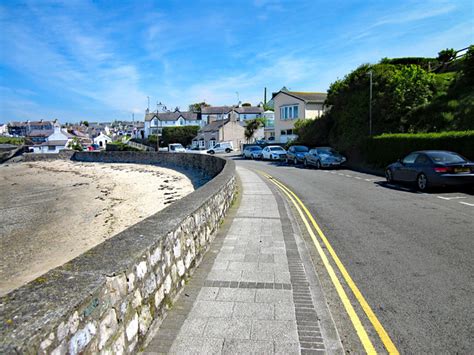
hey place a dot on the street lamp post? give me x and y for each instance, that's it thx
(369, 73)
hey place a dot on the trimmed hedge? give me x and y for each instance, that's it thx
(120, 147)
(387, 148)
(12, 140)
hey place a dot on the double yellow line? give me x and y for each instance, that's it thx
(360, 330)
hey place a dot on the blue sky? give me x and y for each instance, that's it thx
(99, 60)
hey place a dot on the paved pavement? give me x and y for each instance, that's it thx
(255, 291)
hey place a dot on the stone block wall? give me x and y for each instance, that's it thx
(112, 297)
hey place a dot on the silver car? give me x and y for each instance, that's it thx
(252, 152)
(323, 157)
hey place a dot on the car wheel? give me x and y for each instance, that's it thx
(287, 161)
(422, 182)
(227, 150)
(295, 161)
(389, 175)
(305, 163)
(318, 165)
(211, 152)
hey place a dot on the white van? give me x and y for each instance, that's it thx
(176, 148)
(221, 147)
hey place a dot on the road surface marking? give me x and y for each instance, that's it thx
(349, 176)
(450, 198)
(467, 204)
(365, 306)
(358, 178)
(361, 332)
(367, 180)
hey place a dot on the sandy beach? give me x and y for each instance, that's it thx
(52, 211)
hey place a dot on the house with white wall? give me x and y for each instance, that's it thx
(156, 121)
(291, 106)
(102, 140)
(55, 140)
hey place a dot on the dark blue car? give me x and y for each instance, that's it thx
(430, 168)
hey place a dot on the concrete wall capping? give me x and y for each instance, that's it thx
(111, 297)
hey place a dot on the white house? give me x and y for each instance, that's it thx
(101, 140)
(291, 106)
(54, 142)
(156, 121)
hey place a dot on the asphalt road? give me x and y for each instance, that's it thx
(409, 253)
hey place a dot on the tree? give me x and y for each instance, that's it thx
(183, 135)
(246, 104)
(75, 144)
(251, 127)
(85, 123)
(446, 55)
(196, 107)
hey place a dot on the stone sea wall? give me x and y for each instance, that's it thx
(113, 297)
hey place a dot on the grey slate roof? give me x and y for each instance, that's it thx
(214, 126)
(54, 143)
(249, 109)
(308, 97)
(216, 110)
(219, 110)
(171, 116)
(40, 133)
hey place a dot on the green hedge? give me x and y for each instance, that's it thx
(120, 147)
(387, 148)
(12, 140)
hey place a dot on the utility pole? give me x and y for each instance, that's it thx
(158, 106)
(370, 102)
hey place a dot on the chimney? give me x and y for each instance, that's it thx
(265, 96)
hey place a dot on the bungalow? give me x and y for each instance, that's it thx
(293, 105)
(156, 121)
(226, 130)
(101, 140)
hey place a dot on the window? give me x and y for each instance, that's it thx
(51, 147)
(289, 112)
(285, 132)
(422, 160)
(410, 158)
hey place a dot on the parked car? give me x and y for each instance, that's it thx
(323, 157)
(252, 152)
(222, 147)
(93, 147)
(176, 148)
(273, 152)
(296, 154)
(431, 168)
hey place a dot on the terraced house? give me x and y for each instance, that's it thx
(291, 106)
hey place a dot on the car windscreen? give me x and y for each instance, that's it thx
(255, 148)
(328, 151)
(276, 149)
(301, 149)
(446, 157)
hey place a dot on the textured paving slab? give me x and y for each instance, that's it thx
(250, 293)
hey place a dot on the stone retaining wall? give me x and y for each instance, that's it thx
(111, 298)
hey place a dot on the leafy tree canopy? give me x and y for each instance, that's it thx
(196, 107)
